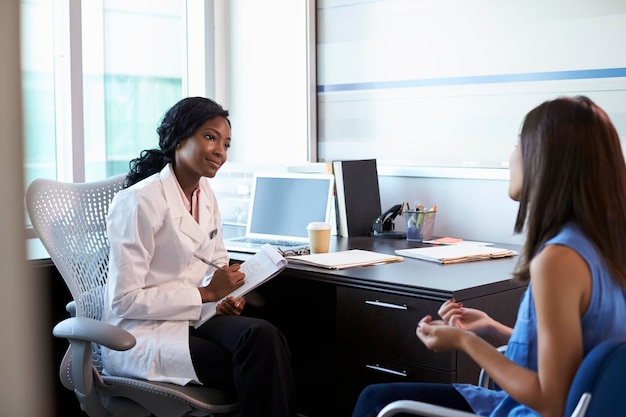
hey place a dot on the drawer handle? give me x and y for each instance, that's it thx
(387, 305)
(386, 370)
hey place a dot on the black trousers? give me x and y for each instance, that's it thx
(250, 355)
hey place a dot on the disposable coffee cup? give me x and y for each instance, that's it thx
(319, 236)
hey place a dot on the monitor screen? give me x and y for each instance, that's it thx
(283, 204)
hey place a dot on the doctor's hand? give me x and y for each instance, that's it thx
(231, 306)
(223, 282)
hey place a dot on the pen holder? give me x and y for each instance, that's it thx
(419, 224)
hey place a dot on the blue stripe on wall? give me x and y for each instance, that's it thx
(478, 79)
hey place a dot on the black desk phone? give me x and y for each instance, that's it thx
(384, 226)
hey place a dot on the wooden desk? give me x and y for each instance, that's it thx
(350, 328)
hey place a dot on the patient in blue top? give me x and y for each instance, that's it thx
(568, 174)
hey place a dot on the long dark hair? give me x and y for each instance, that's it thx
(178, 123)
(573, 171)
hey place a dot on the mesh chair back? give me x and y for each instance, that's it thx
(70, 220)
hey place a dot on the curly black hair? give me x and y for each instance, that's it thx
(178, 123)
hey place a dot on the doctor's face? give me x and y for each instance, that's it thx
(203, 153)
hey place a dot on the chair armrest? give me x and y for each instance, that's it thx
(484, 380)
(71, 308)
(82, 332)
(90, 330)
(418, 408)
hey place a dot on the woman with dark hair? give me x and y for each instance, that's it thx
(166, 215)
(569, 176)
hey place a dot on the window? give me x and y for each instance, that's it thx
(136, 58)
(37, 28)
(447, 84)
(99, 74)
(268, 84)
(87, 124)
(133, 67)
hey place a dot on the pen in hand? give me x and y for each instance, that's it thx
(206, 261)
(236, 301)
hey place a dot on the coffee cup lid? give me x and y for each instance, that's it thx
(318, 226)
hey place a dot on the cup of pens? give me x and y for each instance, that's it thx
(420, 223)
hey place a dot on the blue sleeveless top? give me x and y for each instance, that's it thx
(607, 307)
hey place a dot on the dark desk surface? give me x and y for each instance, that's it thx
(335, 333)
(413, 276)
(329, 352)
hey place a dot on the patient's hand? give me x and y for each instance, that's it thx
(476, 321)
(437, 335)
(471, 319)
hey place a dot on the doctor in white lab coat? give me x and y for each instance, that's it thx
(156, 287)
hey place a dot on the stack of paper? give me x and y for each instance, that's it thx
(456, 253)
(344, 259)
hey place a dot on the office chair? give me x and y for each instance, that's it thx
(596, 390)
(70, 220)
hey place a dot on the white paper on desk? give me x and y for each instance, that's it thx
(463, 242)
(345, 259)
(448, 254)
(264, 265)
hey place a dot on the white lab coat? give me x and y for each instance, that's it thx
(152, 287)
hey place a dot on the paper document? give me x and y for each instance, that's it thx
(456, 241)
(447, 240)
(448, 254)
(264, 265)
(345, 259)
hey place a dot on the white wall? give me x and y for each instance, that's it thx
(268, 111)
(447, 83)
(472, 209)
(415, 84)
(267, 79)
(23, 360)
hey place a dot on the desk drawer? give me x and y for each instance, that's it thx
(373, 369)
(383, 325)
(358, 371)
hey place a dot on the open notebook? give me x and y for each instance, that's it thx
(260, 268)
(281, 206)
